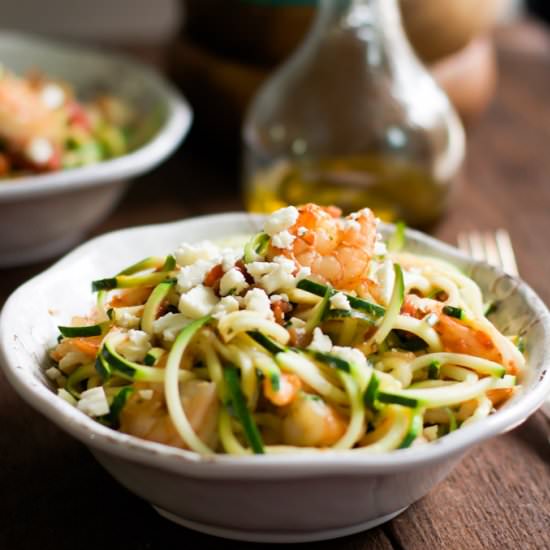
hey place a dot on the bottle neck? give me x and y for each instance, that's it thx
(372, 29)
(382, 14)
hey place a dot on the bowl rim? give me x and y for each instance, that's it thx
(179, 117)
(303, 464)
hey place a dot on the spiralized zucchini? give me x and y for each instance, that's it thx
(309, 366)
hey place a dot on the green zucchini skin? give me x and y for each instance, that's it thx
(83, 331)
(330, 360)
(319, 312)
(416, 427)
(256, 246)
(357, 303)
(154, 303)
(153, 355)
(119, 401)
(433, 370)
(371, 393)
(79, 375)
(238, 404)
(131, 281)
(266, 342)
(456, 312)
(152, 262)
(396, 242)
(169, 263)
(398, 399)
(133, 372)
(102, 368)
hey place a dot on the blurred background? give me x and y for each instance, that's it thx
(272, 145)
(219, 52)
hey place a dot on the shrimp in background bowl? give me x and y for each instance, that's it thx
(44, 127)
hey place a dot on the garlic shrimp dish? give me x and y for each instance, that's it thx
(45, 127)
(314, 335)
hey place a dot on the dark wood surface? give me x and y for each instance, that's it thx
(54, 495)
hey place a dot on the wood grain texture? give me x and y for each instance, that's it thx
(54, 494)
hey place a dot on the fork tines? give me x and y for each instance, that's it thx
(494, 248)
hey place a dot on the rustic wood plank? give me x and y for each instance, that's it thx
(499, 497)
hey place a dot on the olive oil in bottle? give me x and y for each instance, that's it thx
(353, 119)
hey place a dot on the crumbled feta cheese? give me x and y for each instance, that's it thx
(233, 282)
(52, 95)
(259, 269)
(188, 254)
(273, 276)
(297, 323)
(257, 300)
(385, 277)
(146, 394)
(303, 272)
(53, 374)
(301, 231)
(66, 396)
(170, 325)
(278, 298)
(125, 317)
(284, 240)
(136, 345)
(321, 342)
(193, 275)
(339, 301)
(229, 258)
(138, 337)
(225, 306)
(197, 302)
(351, 355)
(280, 220)
(93, 402)
(39, 150)
(380, 248)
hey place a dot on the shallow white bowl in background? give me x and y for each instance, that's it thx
(44, 215)
(282, 498)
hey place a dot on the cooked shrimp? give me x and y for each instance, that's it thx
(88, 345)
(24, 115)
(312, 422)
(338, 251)
(149, 418)
(456, 336)
(131, 297)
(289, 386)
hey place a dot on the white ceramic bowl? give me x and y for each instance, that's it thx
(43, 215)
(263, 498)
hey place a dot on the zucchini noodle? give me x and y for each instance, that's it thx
(259, 350)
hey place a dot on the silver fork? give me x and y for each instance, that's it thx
(495, 249)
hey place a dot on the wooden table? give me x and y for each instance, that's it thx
(54, 494)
